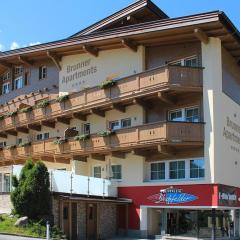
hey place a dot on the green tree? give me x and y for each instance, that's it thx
(31, 195)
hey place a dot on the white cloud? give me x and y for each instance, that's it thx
(1, 47)
(14, 45)
(33, 44)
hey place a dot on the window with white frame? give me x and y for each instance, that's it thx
(177, 170)
(126, 123)
(42, 136)
(42, 72)
(190, 114)
(6, 181)
(158, 171)
(97, 171)
(19, 82)
(6, 76)
(114, 125)
(116, 172)
(3, 144)
(197, 168)
(6, 88)
(86, 128)
(188, 62)
(18, 70)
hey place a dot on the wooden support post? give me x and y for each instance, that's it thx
(56, 60)
(130, 45)
(97, 112)
(91, 50)
(201, 35)
(25, 61)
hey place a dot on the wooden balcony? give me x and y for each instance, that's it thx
(145, 137)
(169, 79)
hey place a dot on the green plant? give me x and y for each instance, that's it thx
(10, 147)
(62, 98)
(82, 137)
(60, 141)
(106, 133)
(31, 195)
(1, 117)
(26, 144)
(25, 110)
(11, 114)
(107, 84)
(42, 104)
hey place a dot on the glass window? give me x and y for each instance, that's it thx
(116, 172)
(42, 136)
(6, 88)
(176, 116)
(39, 136)
(86, 128)
(192, 114)
(19, 140)
(97, 172)
(46, 135)
(3, 144)
(191, 62)
(197, 168)
(18, 70)
(42, 72)
(176, 63)
(6, 76)
(114, 125)
(6, 182)
(157, 171)
(126, 123)
(19, 83)
(177, 170)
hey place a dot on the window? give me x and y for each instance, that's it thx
(42, 72)
(19, 141)
(18, 70)
(6, 181)
(42, 136)
(86, 128)
(175, 116)
(157, 171)
(3, 144)
(191, 62)
(6, 88)
(19, 83)
(6, 76)
(184, 115)
(116, 172)
(114, 125)
(197, 168)
(97, 172)
(177, 170)
(192, 114)
(126, 123)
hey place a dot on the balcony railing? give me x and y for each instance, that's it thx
(145, 83)
(123, 139)
(68, 182)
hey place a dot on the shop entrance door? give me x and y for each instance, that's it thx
(92, 221)
(172, 223)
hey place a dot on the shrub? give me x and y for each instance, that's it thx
(82, 137)
(107, 84)
(25, 110)
(60, 141)
(11, 114)
(31, 196)
(42, 104)
(62, 98)
(106, 133)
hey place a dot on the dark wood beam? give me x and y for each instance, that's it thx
(98, 112)
(166, 150)
(22, 129)
(166, 99)
(63, 120)
(35, 127)
(56, 60)
(25, 61)
(50, 124)
(202, 36)
(6, 65)
(11, 132)
(118, 107)
(139, 152)
(79, 158)
(140, 102)
(119, 154)
(3, 135)
(64, 160)
(91, 50)
(130, 45)
(132, 20)
(99, 157)
(80, 116)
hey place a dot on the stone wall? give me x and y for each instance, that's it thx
(82, 220)
(5, 203)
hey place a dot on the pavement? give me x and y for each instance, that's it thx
(10, 237)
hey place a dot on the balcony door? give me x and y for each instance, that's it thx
(92, 221)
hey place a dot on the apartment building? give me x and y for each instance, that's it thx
(137, 118)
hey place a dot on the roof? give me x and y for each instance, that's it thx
(140, 11)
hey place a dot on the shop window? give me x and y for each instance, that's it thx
(42, 72)
(177, 170)
(97, 172)
(126, 123)
(197, 168)
(18, 83)
(6, 88)
(158, 171)
(116, 172)
(86, 128)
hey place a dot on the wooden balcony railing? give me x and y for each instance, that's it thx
(143, 136)
(139, 85)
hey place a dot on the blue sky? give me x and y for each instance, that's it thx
(27, 22)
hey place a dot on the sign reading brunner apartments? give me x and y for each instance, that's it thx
(84, 70)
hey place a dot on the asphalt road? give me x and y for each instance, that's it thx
(8, 237)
